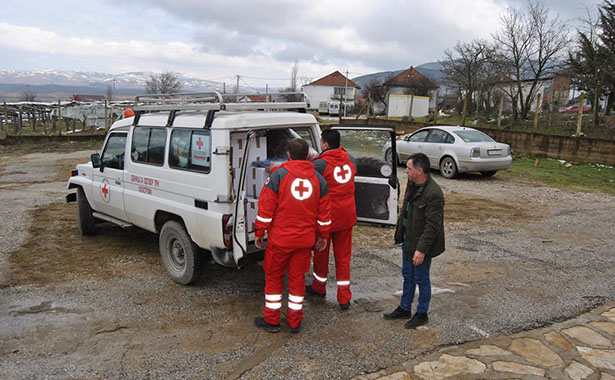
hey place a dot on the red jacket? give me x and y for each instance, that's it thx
(294, 206)
(339, 170)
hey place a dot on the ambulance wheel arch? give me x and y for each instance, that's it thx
(179, 254)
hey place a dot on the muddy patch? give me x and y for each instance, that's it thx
(55, 250)
(460, 207)
(464, 273)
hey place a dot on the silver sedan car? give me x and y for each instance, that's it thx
(454, 149)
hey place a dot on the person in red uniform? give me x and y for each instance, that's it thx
(294, 208)
(339, 169)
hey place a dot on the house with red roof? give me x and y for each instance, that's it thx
(331, 89)
(410, 93)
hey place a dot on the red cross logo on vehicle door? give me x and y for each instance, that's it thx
(301, 189)
(105, 191)
(342, 174)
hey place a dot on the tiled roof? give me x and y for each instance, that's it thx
(336, 79)
(410, 78)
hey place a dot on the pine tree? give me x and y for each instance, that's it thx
(607, 37)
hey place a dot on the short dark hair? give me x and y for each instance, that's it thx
(331, 137)
(420, 160)
(298, 149)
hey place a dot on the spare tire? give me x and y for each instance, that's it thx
(373, 167)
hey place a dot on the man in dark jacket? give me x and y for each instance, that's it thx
(339, 169)
(294, 208)
(420, 229)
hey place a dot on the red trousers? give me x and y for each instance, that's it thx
(342, 249)
(278, 260)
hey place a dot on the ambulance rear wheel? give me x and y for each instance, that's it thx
(178, 252)
(84, 214)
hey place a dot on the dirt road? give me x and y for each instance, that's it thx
(518, 256)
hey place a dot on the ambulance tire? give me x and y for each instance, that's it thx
(370, 167)
(178, 252)
(84, 214)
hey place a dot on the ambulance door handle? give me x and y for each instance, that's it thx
(118, 182)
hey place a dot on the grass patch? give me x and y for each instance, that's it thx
(588, 178)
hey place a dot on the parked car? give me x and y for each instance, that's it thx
(573, 109)
(453, 149)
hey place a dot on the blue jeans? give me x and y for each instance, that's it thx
(413, 276)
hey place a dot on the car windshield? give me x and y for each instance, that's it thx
(471, 136)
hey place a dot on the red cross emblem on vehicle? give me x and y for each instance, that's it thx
(199, 143)
(105, 191)
(342, 174)
(301, 189)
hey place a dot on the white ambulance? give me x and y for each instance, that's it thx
(190, 167)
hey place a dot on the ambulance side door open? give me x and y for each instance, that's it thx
(240, 228)
(376, 184)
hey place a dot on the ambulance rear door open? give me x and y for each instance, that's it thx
(376, 184)
(243, 234)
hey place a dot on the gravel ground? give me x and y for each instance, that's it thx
(541, 256)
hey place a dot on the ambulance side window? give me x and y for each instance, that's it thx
(148, 145)
(113, 154)
(190, 150)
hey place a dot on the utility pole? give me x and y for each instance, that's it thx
(580, 119)
(345, 91)
(537, 111)
(237, 88)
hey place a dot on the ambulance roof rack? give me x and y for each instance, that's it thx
(216, 101)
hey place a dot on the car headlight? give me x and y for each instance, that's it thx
(508, 150)
(475, 152)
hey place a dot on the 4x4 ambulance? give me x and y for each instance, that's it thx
(190, 167)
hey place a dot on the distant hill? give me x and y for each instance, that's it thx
(54, 84)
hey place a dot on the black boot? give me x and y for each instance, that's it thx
(398, 313)
(419, 319)
(311, 292)
(260, 322)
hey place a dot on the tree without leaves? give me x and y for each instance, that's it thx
(294, 73)
(28, 95)
(529, 45)
(466, 68)
(376, 89)
(165, 83)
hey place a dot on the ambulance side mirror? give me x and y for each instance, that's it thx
(95, 160)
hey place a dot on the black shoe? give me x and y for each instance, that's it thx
(398, 313)
(419, 319)
(311, 292)
(345, 306)
(260, 322)
(295, 330)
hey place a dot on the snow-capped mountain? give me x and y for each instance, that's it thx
(53, 81)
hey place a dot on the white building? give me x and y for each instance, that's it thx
(332, 88)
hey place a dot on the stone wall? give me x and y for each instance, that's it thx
(583, 149)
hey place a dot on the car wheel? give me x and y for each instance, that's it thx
(490, 173)
(388, 155)
(84, 214)
(448, 168)
(178, 252)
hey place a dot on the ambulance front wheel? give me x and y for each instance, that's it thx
(84, 214)
(178, 253)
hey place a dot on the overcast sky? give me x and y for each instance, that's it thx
(259, 40)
